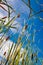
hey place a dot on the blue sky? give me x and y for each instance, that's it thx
(38, 23)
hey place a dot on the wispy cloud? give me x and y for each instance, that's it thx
(18, 26)
(1, 15)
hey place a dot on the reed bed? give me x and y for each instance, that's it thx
(15, 57)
